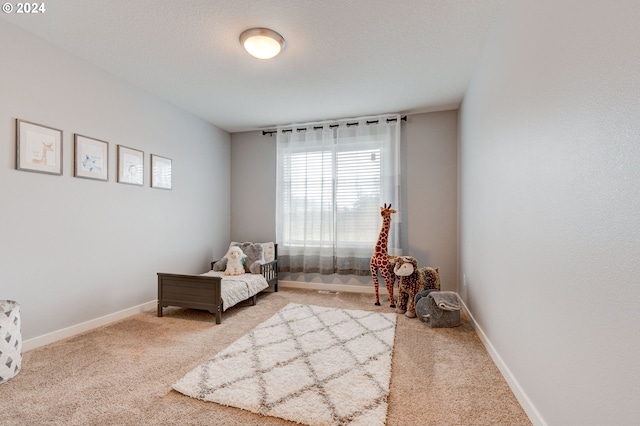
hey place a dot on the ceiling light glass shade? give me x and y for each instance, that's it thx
(262, 43)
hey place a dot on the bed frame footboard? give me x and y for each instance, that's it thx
(190, 291)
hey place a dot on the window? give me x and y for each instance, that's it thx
(332, 180)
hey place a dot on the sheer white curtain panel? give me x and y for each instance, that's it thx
(332, 179)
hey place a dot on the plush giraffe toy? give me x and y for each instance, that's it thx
(381, 260)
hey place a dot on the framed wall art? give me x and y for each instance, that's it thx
(91, 158)
(38, 148)
(160, 172)
(130, 166)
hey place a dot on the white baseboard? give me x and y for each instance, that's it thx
(517, 390)
(331, 287)
(54, 336)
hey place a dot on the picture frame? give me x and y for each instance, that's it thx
(130, 166)
(160, 172)
(91, 158)
(38, 148)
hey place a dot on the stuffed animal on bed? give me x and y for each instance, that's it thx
(253, 261)
(235, 261)
(413, 280)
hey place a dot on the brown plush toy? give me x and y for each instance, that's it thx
(413, 280)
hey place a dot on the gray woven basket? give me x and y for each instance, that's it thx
(10, 340)
(433, 316)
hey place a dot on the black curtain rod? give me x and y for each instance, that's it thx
(271, 132)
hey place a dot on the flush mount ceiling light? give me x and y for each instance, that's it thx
(262, 43)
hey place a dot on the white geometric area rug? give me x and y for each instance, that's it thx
(308, 364)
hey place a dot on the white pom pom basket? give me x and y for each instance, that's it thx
(10, 340)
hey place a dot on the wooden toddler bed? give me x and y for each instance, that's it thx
(206, 291)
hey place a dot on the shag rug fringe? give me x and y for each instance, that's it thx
(308, 364)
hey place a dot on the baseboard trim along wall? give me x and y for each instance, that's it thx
(54, 336)
(64, 333)
(333, 287)
(517, 390)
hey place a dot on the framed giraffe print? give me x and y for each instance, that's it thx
(91, 158)
(38, 148)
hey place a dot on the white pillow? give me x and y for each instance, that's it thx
(269, 251)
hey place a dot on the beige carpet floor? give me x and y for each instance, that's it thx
(121, 374)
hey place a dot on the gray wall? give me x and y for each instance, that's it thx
(73, 250)
(253, 187)
(430, 154)
(550, 206)
(429, 214)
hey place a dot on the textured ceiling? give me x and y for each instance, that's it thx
(343, 58)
